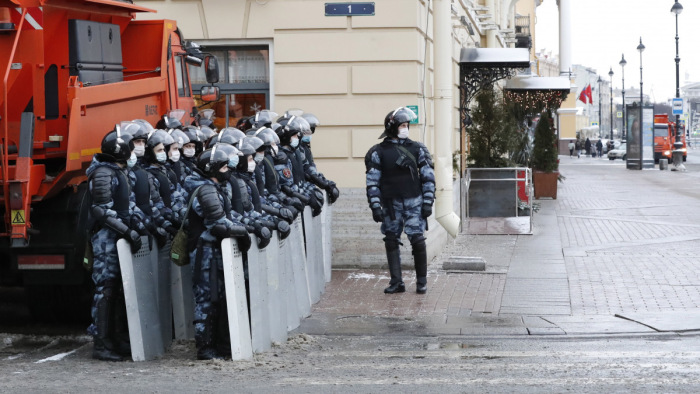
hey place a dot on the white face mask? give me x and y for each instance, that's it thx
(175, 156)
(306, 138)
(274, 147)
(188, 152)
(161, 157)
(139, 150)
(294, 142)
(403, 133)
(132, 160)
(259, 157)
(251, 166)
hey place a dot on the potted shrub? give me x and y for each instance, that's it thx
(493, 135)
(545, 158)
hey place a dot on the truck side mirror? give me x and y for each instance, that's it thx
(211, 69)
(209, 93)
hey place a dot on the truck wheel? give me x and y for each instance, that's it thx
(59, 303)
(685, 158)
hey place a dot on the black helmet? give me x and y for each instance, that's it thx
(229, 135)
(117, 144)
(204, 117)
(288, 127)
(305, 126)
(195, 136)
(394, 118)
(154, 138)
(172, 120)
(249, 145)
(211, 161)
(244, 124)
(266, 134)
(264, 118)
(143, 129)
(207, 132)
(313, 121)
(179, 137)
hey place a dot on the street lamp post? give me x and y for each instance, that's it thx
(623, 63)
(641, 48)
(611, 104)
(677, 145)
(600, 108)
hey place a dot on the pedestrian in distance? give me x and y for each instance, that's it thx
(587, 145)
(113, 215)
(572, 146)
(401, 191)
(578, 148)
(599, 148)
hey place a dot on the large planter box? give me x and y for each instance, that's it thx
(545, 184)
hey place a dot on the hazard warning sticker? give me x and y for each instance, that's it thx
(17, 216)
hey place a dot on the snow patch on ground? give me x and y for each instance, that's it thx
(366, 276)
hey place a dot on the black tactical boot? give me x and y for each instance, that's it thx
(205, 341)
(396, 285)
(103, 347)
(121, 326)
(223, 335)
(420, 260)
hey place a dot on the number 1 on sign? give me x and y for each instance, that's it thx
(349, 9)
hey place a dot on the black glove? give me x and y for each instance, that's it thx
(377, 215)
(264, 234)
(243, 242)
(172, 230)
(426, 210)
(333, 192)
(296, 203)
(283, 229)
(134, 240)
(319, 195)
(286, 214)
(315, 205)
(161, 237)
(294, 211)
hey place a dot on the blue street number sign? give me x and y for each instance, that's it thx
(349, 9)
(678, 106)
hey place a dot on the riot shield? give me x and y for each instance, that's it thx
(311, 257)
(276, 297)
(259, 301)
(319, 276)
(162, 283)
(237, 306)
(183, 301)
(326, 224)
(301, 284)
(288, 288)
(141, 300)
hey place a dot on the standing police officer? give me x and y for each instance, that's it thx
(400, 191)
(113, 215)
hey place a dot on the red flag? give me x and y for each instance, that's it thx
(584, 95)
(589, 94)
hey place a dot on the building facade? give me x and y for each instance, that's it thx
(350, 71)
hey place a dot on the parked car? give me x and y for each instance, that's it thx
(619, 152)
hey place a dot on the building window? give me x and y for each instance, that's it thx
(244, 82)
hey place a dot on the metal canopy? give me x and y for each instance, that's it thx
(495, 57)
(538, 83)
(482, 67)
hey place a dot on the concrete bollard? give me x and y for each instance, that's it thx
(663, 164)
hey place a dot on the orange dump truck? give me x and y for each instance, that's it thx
(664, 138)
(70, 70)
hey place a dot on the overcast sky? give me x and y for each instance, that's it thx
(602, 30)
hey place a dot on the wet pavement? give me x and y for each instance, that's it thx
(615, 253)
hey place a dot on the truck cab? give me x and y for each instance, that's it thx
(71, 70)
(665, 137)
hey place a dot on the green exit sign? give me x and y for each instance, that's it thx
(414, 108)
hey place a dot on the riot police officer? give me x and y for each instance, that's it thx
(209, 222)
(401, 191)
(304, 151)
(113, 215)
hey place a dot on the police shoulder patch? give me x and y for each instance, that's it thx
(287, 173)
